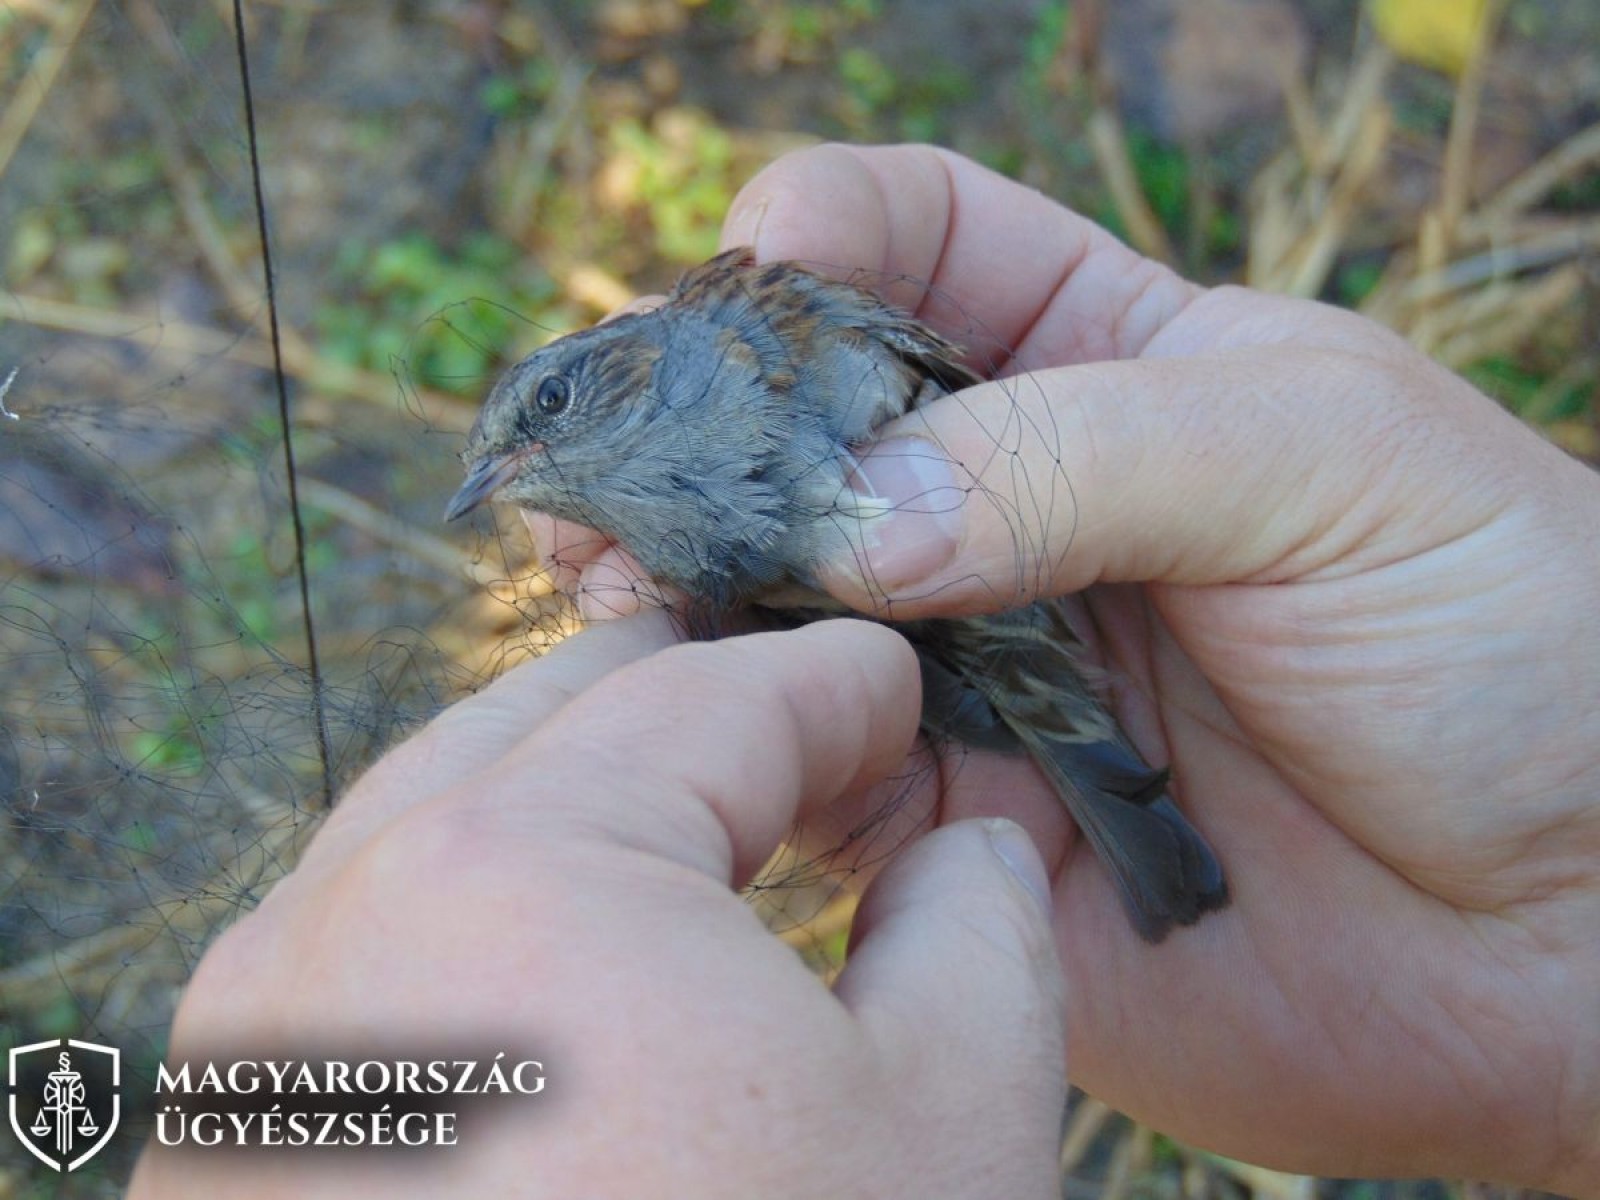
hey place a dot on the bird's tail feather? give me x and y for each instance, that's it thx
(1164, 871)
(1014, 682)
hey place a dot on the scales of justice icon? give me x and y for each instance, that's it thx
(64, 1102)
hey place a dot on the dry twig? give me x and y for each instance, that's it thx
(1109, 141)
(42, 73)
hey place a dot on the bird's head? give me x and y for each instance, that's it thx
(562, 407)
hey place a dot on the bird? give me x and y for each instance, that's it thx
(714, 437)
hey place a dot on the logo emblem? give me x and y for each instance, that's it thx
(66, 1099)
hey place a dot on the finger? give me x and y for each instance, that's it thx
(1258, 466)
(953, 948)
(607, 580)
(615, 585)
(966, 245)
(938, 784)
(705, 753)
(473, 734)
(564, 549)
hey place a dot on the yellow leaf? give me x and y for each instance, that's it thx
(1442, 34)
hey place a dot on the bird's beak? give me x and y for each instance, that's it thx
(486, 477)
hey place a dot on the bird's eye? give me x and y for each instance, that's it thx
(552, 395)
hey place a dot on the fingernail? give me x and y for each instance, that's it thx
(744, 226)
(907, 515)
(1015, 848)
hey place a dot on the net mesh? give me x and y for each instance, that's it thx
(447, 183)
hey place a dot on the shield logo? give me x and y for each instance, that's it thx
(66, 1099)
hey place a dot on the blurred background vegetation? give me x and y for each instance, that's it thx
(449, 183)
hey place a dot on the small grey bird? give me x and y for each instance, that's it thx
(713, 438)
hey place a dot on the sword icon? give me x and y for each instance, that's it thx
(64, 1100)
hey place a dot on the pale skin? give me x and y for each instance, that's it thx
(1344, 595)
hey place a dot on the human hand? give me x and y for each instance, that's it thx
(550, 866)
(1344, 595)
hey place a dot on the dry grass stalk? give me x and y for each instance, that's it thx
(1496, 319)
(1489, 300)
(425, 548)
(1437, 236)
(300, 357)
(1130, 1161)
(1305, 200)
(1088, 1119)
(91, 965)
(1456, 184)
(41, 75)
(533, 150)
(1565, 163)
(188, 342)
(1264, 1183)
(1477, 281)
(1530, 247)
(1109, 141)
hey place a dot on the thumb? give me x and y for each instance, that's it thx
(954, 976)
(1326, 443)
